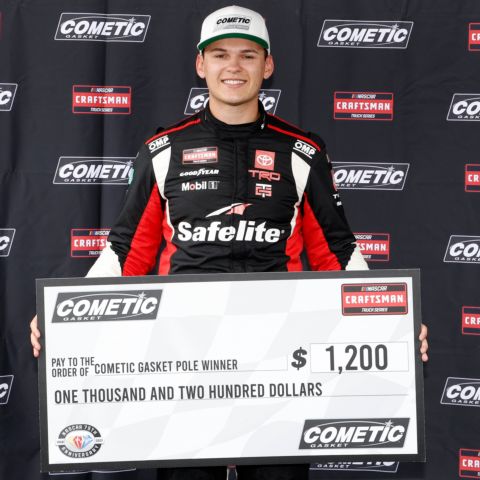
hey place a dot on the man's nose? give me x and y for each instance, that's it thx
(233, 63)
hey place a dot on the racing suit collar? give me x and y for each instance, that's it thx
(226, 131)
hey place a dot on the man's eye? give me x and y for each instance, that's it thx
(219, 55)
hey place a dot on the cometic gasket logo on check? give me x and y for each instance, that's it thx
(97, 27)
(106, 306)
(354, 433)
(390, 467)
(365, 34)
(79, 441)
(375, 299)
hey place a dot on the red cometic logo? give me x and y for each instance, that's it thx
(375, 247)
(363, 106)
(471, 320)
(472, 177)
(101, 100)
(88, 242)
(264, 159)
(374, 299)
(474, 37)
(469, 463)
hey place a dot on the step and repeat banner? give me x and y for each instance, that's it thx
(393, 88)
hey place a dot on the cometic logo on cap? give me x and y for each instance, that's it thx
(239, 22)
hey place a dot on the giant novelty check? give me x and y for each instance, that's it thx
(236, 368)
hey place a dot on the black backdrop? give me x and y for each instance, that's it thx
(53, 227)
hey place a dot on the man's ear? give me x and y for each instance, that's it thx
(269, 67)
(199, 66)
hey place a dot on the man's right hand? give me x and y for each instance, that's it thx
(34, 337)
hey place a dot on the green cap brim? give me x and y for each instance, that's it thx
(253, 38)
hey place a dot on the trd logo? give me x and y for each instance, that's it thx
(5, 388)
(198, 99)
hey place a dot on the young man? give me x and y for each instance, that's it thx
(231, 189)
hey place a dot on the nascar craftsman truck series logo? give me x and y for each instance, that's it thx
(106, 306)
(365, 34)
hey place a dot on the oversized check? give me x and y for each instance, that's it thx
(234, 368)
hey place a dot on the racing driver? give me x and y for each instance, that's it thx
(231, 189)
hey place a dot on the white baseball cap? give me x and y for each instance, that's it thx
(234, 22)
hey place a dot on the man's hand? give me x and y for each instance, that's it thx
(34, 336)
(423, 342)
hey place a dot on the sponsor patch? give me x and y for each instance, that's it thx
(6, 382)
(463, 249)
(461, 391)
(198, 99)
(6, 241)
(472, 177)
(88, 242)
(7, 96)
(354, 433)
(199, 185)
(375, 247)
(362, 106)
(106, 306)
(99, 27)
(238, 22)
(158, 143)
(200, 172)
(304, 148)
(101, 100)
(370, 176)
(465, 107)
(200, 155)
(471, 320)
(263, 190)
(365, 34)
(469, 463)
(265, 175)
(93, 171)
(264, 160)
(474, 37)
(390, 467)
(79, 441)
(375, 299)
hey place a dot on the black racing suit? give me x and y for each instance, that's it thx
(230, 198)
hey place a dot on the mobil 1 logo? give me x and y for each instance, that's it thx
(365, 34)
(7, 96)
(198, 99)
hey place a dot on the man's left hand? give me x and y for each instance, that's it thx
(423, 342)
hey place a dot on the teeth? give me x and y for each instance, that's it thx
(234, 82)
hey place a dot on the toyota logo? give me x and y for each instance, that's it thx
(265, 160)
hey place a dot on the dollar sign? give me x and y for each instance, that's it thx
(299, 355)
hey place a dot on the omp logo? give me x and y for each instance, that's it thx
(370, 176)
(158, 143)
(101, 100)
(363, 106)
(93, 170)
(461, 391)
(465, 107)
(354, 433)
(472, 177)
(88, 242)
(79, 441)
(375, 299)
(471, 320)
(5, 388)
(463, 249)
(6, 241)
(469, 463)
(7, 96)
(102, 27)
(390, 467)
(106, 306)
(239, 22)
(198, 99)
(304, 148)
(365, 34)
(474, 37)
(215, 231)
(375, 247)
